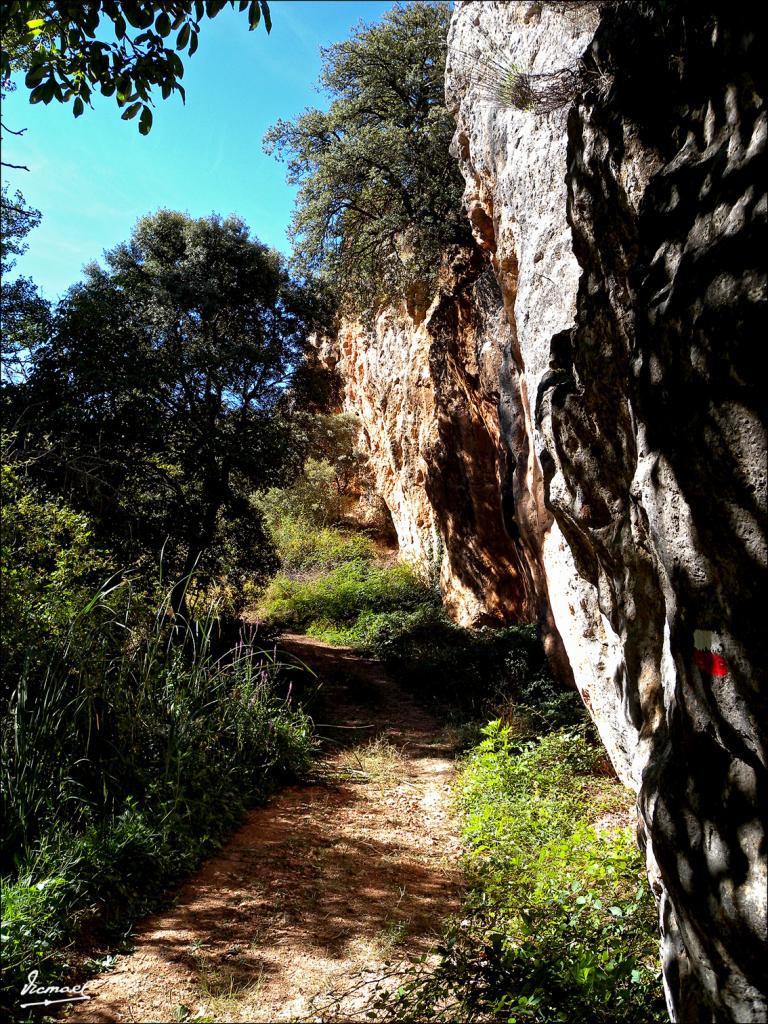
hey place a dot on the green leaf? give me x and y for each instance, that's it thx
(34, 75)
(163, 24)
(254, 15)
(132, 13)
(183, 37)
(78, 107)
(131, 111)
(193, 43)
(36, 23)
(145, 121)
(267, 16)
(146, 17)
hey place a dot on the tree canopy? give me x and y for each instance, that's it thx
(69, 48)
(380, 194)
(24, 311)
(160, 397)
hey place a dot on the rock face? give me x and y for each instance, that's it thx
(438, 401)
(574, 432)
(626, 230)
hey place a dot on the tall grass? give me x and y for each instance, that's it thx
(127, 760)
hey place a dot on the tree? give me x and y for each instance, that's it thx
(24, 313)
(68, 48)
(334, 438)
(380, 194)
(162, 390)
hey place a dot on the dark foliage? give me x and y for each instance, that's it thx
(380, 194)
(158, 403)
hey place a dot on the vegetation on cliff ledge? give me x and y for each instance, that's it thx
(380, 193)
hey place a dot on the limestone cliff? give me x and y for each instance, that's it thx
(574, 428)
(438, 399)
(625, 230)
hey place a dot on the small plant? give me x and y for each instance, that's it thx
(224, 992)
(377, 761)
(559, 923)
(506, 84)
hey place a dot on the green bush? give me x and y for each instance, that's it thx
(49, 569)
(313, 498)
(560, 924)
(305, 548)
(341, 595)
(475, 670)
(126, 763)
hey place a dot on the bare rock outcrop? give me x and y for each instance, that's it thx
(626, 229)
(428, 393)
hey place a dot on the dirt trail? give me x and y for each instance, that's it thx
(317, 890)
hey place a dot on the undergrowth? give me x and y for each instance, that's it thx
(335, 600)
(559, 922)
(392, 613)
(332, 592)
(123, 764)
(304, 548)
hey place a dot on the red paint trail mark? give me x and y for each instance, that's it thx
(712, 664)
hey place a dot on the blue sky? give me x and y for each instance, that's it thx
(93, 177)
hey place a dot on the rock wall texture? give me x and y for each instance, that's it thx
(438, 400)
(626, 230)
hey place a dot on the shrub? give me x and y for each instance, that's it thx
(312, 499)
(340, 596)
(49, 570)
(559, 924)
(125, 764)
(304, 548)
(334, 436)
(501, 670)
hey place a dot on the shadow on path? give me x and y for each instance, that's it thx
(319, 887)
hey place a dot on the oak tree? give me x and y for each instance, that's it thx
(160, 396)
(379, 193)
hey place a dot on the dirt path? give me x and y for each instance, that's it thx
(318, 889)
